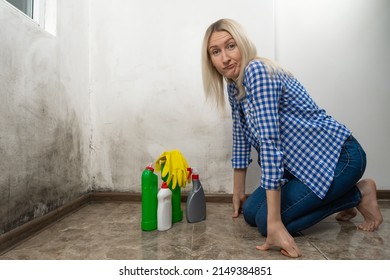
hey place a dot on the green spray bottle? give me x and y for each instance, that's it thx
(149, 182)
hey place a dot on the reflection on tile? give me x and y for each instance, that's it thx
(343, 241)
(102, 231)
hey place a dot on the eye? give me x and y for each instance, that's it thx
(215, 52)
(231, 46)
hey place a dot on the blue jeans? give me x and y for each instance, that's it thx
(300, 207)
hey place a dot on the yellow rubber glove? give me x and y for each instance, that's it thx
(174, 166)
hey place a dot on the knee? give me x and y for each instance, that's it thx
(256, 217)
(249, 214)
(261, 222)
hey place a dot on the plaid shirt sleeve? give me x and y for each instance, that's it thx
(262, 94)
(241, 147)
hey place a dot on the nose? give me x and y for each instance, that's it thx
(225, 58)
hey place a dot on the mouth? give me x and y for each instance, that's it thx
(231, 66)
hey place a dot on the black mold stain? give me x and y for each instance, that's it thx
(53, 176)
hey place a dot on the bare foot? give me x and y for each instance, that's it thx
(368, 206)
(346, 215)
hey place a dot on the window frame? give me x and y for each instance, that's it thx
(35, 10)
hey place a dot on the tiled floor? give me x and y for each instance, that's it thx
(101, 231)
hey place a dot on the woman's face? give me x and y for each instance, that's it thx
(224, 54)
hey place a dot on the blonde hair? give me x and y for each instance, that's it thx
(213, 81)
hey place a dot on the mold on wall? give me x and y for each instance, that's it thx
(44, 116)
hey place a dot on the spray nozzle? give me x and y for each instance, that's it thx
(195, 173)
(189, 171)
(150, 166)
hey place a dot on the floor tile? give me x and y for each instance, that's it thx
(104, 231)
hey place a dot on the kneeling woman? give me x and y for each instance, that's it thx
(311, 164)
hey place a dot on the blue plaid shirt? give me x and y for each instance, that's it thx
(286, 127)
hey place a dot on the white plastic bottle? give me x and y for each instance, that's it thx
(164, 208)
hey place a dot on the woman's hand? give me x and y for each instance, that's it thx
(239, 197)
(278, 236)
(238, 201)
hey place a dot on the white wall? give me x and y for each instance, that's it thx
(147, 89)
(44, 113)
(340, 50)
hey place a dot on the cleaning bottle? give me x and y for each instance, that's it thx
(149, 182)
(164, 208)
(177, 212)
(196, 201)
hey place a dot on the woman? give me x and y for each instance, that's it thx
(311, 164)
